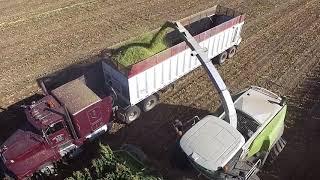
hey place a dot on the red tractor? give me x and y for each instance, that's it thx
(59, 124)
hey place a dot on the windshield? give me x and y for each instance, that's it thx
(54, 128)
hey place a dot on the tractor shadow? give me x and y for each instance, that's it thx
(298, 160)
(154, 134)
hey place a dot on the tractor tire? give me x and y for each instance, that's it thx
(132, 113)
(231, 52)
(222, 57)
(149, 103)
(275, 151)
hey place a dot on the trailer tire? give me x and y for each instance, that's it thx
(232, 51)
(149, 103)
(132, 113)
(222, 57)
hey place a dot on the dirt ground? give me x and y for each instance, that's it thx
(280, 51)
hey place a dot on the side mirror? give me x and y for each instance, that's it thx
(283, 101)
(43, 87)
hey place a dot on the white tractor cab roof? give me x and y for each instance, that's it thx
(212, 142)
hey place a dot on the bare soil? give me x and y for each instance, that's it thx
(280, 51)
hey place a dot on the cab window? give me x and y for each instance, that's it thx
(56, 127)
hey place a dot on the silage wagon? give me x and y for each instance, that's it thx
(136, 86)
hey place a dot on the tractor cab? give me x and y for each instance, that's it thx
(217, 149)
(210, 144)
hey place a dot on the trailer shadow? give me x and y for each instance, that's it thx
(90, 66)
(13, 118)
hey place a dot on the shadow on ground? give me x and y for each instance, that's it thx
(300, 159)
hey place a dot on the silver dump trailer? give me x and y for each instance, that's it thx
(217, 29)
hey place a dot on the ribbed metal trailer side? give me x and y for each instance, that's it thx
(149, 81)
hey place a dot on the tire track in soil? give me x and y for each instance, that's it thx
(293, 71)
(13, 10)
(261, 39)
(293, 23)
(291, 56)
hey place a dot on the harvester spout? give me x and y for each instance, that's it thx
(213, 73)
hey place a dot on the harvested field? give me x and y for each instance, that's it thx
(280, 51)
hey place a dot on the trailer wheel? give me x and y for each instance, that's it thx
(149, 103)
(222, 57)
(132, 113)
(232, 51)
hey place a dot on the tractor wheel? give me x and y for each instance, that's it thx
(232, 51)
(275, 151)
(222, 57)
(132, 113)
(149, 103)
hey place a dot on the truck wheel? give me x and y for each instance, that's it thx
(232, 51)
(132, 113)
(149, 103)
(222, 57)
